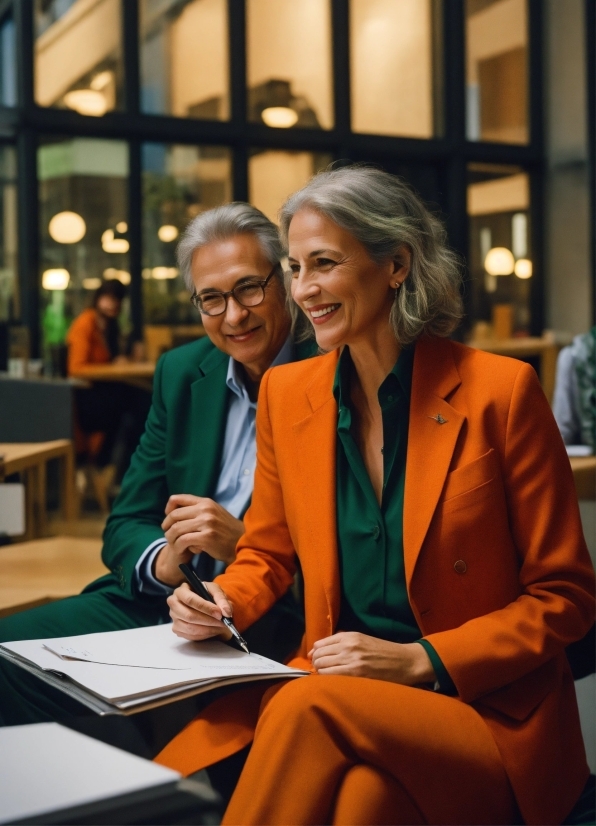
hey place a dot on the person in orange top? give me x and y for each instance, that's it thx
(94, 338)
(426, 491)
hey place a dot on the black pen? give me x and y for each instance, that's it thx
(199, 588)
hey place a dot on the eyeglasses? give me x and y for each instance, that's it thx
(248, 294)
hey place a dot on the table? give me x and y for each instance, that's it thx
(33, 573)
(31, 458)
(546, 348)
(584, 476)
(137, 373)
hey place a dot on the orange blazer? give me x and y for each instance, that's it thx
(498, 574)
(86, 343)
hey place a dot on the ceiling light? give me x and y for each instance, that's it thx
(86, 102)
(523, 268)
(499, 261)
(121, 227)
(101, 80)
(167, 233)
(91, 283)
(162, 273)
(279, 117)
(67, 227)
(111, 244)
(112, 274)
(55, 279)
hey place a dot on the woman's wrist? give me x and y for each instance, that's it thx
(421, 668)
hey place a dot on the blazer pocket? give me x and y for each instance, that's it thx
(520, 698)
(470, 476)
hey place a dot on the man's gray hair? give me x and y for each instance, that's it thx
(222, 223)
(383, 213)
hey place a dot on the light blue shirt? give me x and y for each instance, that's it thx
(237, 470)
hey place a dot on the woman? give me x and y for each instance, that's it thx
(425, 489)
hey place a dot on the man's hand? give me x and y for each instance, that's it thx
(359, 655)
(194, 525)
(195, 618)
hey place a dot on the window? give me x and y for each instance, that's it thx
(496, 71)
(8, 79)
(179, 182)
(10, 308)
(83, 210)
(289, 63)
(391, 51)
(78, 62)
(274, 175)
(500, 254)
(184, 58)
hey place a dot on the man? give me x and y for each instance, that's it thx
(196, 458)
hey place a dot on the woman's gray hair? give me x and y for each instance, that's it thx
(383, 213)
(222, 223)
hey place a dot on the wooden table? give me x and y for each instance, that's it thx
(33, 573)
(137, 373)
(30, 458)
(584, 476)
(545, 347)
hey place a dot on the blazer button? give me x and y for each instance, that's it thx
(460, 566)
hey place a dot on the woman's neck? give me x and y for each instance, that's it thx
(373, 361)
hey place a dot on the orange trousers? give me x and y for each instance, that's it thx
(351, 750)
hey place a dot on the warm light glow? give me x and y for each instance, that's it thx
(91, 283)
(279, 117)
(86, 102)
(499, 261)
(55, 279)
(67, 227)
(101, 80)
(167, 233)
(111, 244)
(112, 274)
(122, 226)
(162, 273)
(523, 268)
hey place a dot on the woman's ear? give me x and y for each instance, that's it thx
(401, 267)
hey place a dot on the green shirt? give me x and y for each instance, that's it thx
(374, 597)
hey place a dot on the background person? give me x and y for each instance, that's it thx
(427, 493)
(196, 460)
(574, 402)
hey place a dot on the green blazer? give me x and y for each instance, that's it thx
(179, 452)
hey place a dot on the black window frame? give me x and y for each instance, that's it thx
(451, 151)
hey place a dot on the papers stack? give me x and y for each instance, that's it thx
(124, 672)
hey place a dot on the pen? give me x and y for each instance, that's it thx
(199, 588)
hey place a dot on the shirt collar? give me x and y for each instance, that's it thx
(401, 372)
(235, 378)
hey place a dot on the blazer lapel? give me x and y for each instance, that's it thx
(315, 468)
(431, 442)
(208, 408)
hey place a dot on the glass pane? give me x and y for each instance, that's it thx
(500, 257)
(83, 206)
(496, 71)
(10, 308)
(8, 79)
(184, 58)
(179, 182)
(289, 63)
(274, 175)
(391, 58)
(78, 60)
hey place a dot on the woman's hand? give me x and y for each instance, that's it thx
(195, 524)
(195, 618)
(359, 655)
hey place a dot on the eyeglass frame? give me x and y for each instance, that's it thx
(195, 298)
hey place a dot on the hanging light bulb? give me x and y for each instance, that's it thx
(279, 117)
(111, 244)
(167, 233)
(89, 102)
(499, 261)
(67, 227)
(122, 227)
(523, 268)
(55, 279)
(91, 283)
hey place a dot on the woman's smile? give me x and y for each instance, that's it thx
(322, 312)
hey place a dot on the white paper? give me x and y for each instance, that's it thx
(122, 665)
(46, 767)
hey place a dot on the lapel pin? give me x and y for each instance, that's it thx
(438, 419)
